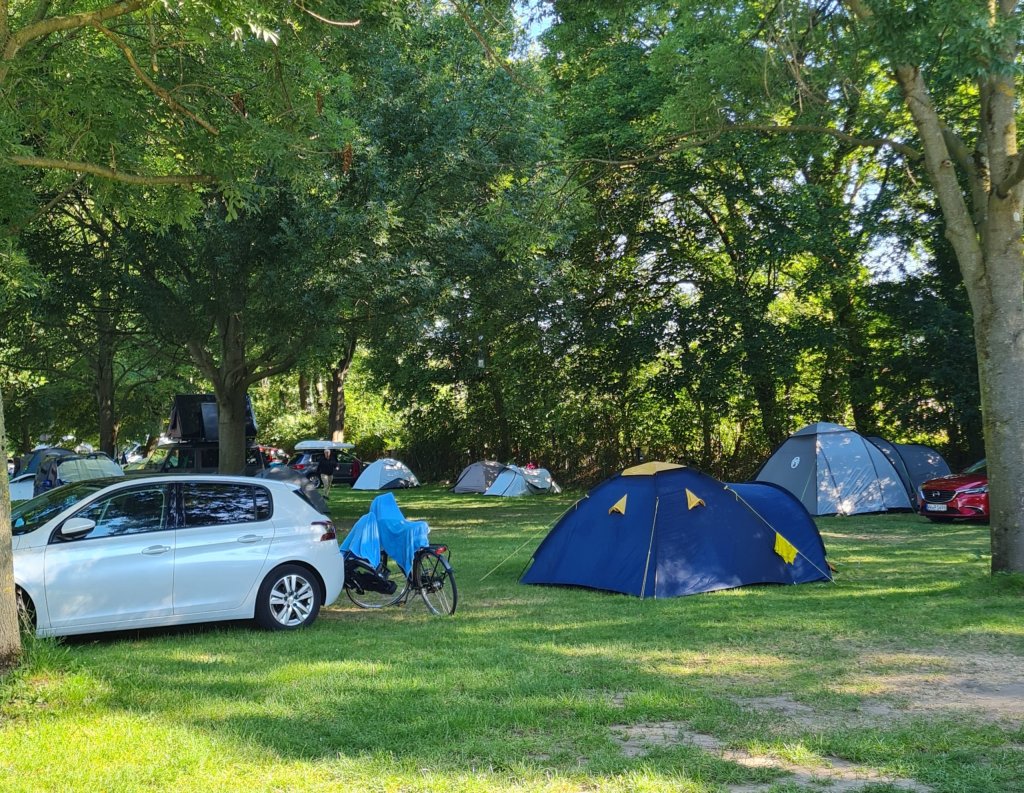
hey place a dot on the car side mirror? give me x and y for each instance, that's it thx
(75, 528)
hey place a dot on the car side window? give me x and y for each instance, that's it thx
(128, 512)
(214, 504)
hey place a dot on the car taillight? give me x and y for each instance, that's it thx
(329, 532)
(299, 466)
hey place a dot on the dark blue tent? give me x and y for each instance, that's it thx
(663, 530)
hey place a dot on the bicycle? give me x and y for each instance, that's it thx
(407, 564)
(387, 584)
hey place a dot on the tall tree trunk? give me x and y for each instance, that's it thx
(230, 387)
(855, 355)
(988, 248)
(336, 413)
(305, 402)
(501, 416)
(105, 391)
(10, 637)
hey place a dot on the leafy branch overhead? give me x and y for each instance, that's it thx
(132, 92)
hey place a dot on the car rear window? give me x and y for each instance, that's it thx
(215, 504)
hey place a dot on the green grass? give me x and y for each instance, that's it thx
(521, 689)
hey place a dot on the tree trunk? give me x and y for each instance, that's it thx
(305, 402)
(105, 392)
(988, 248)
(999, 334)
(501, 416)
(336, 413)
(10, 636)
(230, 387)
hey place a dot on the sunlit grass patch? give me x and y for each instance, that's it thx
(524, 688)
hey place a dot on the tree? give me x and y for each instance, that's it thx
(870, 75)
(962, 98)
(132, 98)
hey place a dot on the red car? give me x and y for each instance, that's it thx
(957, 496)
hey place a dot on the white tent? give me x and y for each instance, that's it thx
(386, 474)
(516, 481)
(834, 470)
(478, 476)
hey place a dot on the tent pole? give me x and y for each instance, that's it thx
(650, 547)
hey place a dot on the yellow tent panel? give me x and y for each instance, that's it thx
(648, 469)
(619, 506)
(693, 500)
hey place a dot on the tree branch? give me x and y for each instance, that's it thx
(325, 20)
(491, 54)
(45, 27)
(682, 142)
(845, 137)
(160, 91)
(111, 173)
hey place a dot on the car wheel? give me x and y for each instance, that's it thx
(289, 598)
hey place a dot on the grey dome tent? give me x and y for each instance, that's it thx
(516, 481)
(477, 477)
(914, 462)
(386, 474)
(834, 470)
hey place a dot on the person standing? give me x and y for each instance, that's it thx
(326, 468)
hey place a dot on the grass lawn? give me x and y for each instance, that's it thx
(903, 675)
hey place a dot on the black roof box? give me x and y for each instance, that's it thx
(194, 418)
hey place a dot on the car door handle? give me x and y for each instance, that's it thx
(156, 550)
(250, 538)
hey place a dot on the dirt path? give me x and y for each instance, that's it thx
(891, 687)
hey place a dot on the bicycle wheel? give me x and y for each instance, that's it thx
(433, 577)
(363, 584)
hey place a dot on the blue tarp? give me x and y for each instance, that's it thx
(679, 532)
(384, 526)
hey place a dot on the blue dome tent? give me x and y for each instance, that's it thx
(663, 530)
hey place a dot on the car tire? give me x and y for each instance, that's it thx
(289, 598)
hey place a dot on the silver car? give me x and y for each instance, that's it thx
(123, 553)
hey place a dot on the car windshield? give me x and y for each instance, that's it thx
(977, 468)
(30, 515)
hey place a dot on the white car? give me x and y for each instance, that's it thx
(115, 554)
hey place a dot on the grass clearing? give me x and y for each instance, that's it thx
(904, 673)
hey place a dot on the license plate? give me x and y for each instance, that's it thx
(935, 507)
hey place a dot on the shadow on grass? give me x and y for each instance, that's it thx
(538, 675)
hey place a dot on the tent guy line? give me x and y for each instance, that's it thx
(770, 526)
(533, 536)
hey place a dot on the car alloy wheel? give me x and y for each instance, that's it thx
(289, 598)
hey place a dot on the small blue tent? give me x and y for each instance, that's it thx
(663, 530)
